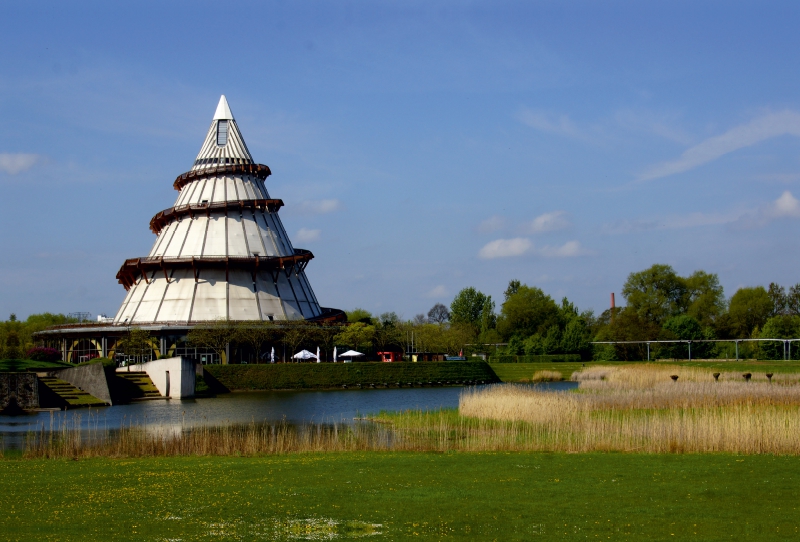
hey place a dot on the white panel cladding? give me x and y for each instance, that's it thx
(137, 291)
(236, 243)
(252, 235)
(216, 239)
(151, 300)
(163, 239)
(268, 298)
(219, 190)
(230, 189)
(240, 189)
(195, 237)
(178, 297)
(275, 233)
(208, 190)
(242, 303)
(176, 243)
(210, 300)
(290, 304)
(124, 305)
(312, 298)
(266, 237)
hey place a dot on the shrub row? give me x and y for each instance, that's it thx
(535, 359)
(336, 375)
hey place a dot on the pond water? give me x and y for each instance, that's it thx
(327, 406)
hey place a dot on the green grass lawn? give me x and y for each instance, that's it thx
(21, 365)
(503, 496)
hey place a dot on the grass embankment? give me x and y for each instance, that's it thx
(336, 375)
(398, 496)
(22, 365)
(523, 372)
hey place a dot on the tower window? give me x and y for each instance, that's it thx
(222, 133)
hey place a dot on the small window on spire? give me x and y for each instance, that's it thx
(222, 133)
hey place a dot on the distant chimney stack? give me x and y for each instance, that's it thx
(613, 305)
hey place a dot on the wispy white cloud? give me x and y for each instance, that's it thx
(547, 122)
(305, 235)
(492, 224)
(765, 127)
(437, 292)
(505, 248)
(13, 163)
(570, 249)
(319, 207)
(557, 220)
(785, 206)
(660, 124)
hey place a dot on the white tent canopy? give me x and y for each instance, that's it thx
(304, 354)
(350, 354)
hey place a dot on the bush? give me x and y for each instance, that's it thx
(553, 358)
(43, 354)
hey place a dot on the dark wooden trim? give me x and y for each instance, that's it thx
(163, 218)
(256, 170)
(133, 269)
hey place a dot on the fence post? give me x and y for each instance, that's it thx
(690, 350)
(648, 351)
(737, 350)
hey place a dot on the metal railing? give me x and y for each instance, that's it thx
(787, 344)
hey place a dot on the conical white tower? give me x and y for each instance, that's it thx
(221, 251)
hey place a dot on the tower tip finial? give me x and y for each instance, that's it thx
(223, 111)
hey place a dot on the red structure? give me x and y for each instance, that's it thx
(388, 357)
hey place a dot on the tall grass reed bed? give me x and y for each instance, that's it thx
(627, 409)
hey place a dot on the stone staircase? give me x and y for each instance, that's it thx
(144, 386)
(63, 392)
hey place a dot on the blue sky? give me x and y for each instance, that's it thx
(420, 147)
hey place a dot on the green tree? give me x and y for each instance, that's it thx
(777, 294)
(467, 306)
(576, 338)
(527, 312)
(513, 288)
(359, 315)
(656, 293)
(684, 327)
(254, 334)
(706, 298)
(781, 326)
(215, 336)
(358, 336)
(793, 300)
(749, 309)
(488, 317)
(295, 333)
(137, 344)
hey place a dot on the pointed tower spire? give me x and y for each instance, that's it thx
(223, 111)
(224, 144)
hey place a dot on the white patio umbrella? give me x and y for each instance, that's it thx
(272, 355)
(334, 354)
(304, 354)
(350, 354)
(318, 360)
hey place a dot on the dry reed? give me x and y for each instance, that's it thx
(547, 376)
(641, 408)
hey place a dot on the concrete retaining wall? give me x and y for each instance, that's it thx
(18, 391)
(89, 378)
(174, 377)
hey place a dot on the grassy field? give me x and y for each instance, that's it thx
(396, 496)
